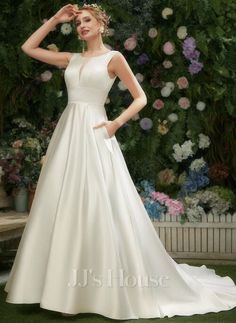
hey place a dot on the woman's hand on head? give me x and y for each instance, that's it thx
(66, 13)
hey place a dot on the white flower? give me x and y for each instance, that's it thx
(167, 63)
(200, 106)
(139, 77)
(187, 148)
(66, 29)
(184, 151)
(182, 32)
(193, 210)
(177, 153)
(213, 201)
(173, 117)
(152, 33)
(170, 85)
(197, 164)
(191, 201)
(204, 141)
(121, 86)
(188, 133)
(111, 32)
(165, 91)
(194, 213)
(166, 12)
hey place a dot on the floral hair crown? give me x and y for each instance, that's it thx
(93, 6)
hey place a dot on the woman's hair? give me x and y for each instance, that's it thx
(99, 13)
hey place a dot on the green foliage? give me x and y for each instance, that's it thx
(224, 193)
(210, 22)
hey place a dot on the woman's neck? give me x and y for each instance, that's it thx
(95, 46)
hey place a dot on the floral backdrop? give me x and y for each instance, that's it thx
(180, 149)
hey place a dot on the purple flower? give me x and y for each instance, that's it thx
(14, 178)
(189, 186)
(142, 59)
(195, 67)
(189, 44)
(195, 181)
(191, 54)
(146, 123)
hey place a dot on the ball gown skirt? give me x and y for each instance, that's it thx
(89, 245)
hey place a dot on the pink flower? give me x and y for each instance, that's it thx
(169, 48)
(130, 43)
(182, 82)
(158, 104)
(46, 76)
(184, 103)
(174, 207)
(161, 197)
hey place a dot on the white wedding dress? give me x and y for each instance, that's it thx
(89, 245)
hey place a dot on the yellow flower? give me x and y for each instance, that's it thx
(162, 129)
(53, 48)
(166, 176)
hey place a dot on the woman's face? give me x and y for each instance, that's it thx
(86, 24)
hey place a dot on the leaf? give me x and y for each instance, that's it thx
(156, 42)
(230, 108)
(202, 43)
(222, 70)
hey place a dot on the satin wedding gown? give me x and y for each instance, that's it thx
(89, 245)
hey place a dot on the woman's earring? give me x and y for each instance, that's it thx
(101, 29)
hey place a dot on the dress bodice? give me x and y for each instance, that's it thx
(87, 78)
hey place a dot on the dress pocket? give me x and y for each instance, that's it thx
(106, 132)
(108, 140)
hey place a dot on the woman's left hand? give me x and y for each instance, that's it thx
(111, 127)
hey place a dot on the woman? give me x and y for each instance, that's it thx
(89, 244)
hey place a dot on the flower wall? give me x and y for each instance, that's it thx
(182, 53)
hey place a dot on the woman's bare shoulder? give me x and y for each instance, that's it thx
(117, 53)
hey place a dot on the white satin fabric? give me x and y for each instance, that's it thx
(89, 244)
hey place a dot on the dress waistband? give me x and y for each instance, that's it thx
(99, 105)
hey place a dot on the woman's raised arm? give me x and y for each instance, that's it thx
(31, 45)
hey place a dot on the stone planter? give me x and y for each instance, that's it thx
(20, 198)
